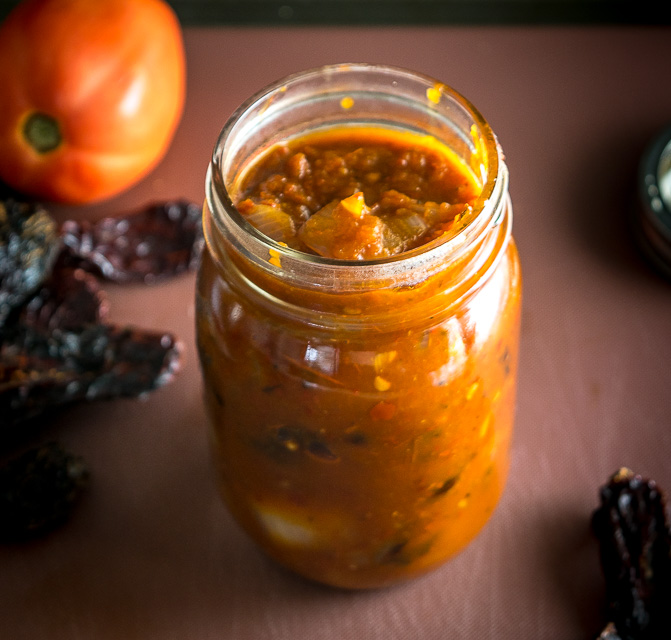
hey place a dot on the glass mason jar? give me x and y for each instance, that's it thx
(361, 412)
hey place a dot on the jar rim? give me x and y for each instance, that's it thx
(485, 212)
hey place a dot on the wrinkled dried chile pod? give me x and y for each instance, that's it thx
(38, 491)
(29, 245)
(635, 548)
(70, 298)
(42, 369)
(157, 242)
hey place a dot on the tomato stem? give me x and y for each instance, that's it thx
(42, 132)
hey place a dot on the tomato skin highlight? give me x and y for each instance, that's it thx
(111, 74)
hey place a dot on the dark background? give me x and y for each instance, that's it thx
(402, 12)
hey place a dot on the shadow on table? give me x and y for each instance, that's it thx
(604, 190)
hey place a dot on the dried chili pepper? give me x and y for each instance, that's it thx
(38, 491)
(29, 245)
(43, 369)
(154, 243)
(71, 298)
(55, 347)
(635, 548)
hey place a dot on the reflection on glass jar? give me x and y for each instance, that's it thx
(361, 410)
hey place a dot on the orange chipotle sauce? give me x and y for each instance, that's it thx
(363, 439)
(357, 193)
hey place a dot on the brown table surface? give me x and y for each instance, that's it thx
(152, 553)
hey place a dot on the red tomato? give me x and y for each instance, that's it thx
(91, 94)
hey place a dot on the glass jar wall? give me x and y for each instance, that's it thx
(361, 411)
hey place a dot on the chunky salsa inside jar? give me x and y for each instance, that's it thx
(359, 440)
(357, 193)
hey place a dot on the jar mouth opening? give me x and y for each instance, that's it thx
(335, 80)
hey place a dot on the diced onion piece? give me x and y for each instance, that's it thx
(285, 528)
(408, 229)
(272, 222)
(293, 526)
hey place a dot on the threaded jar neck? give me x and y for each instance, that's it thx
(358, 95)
